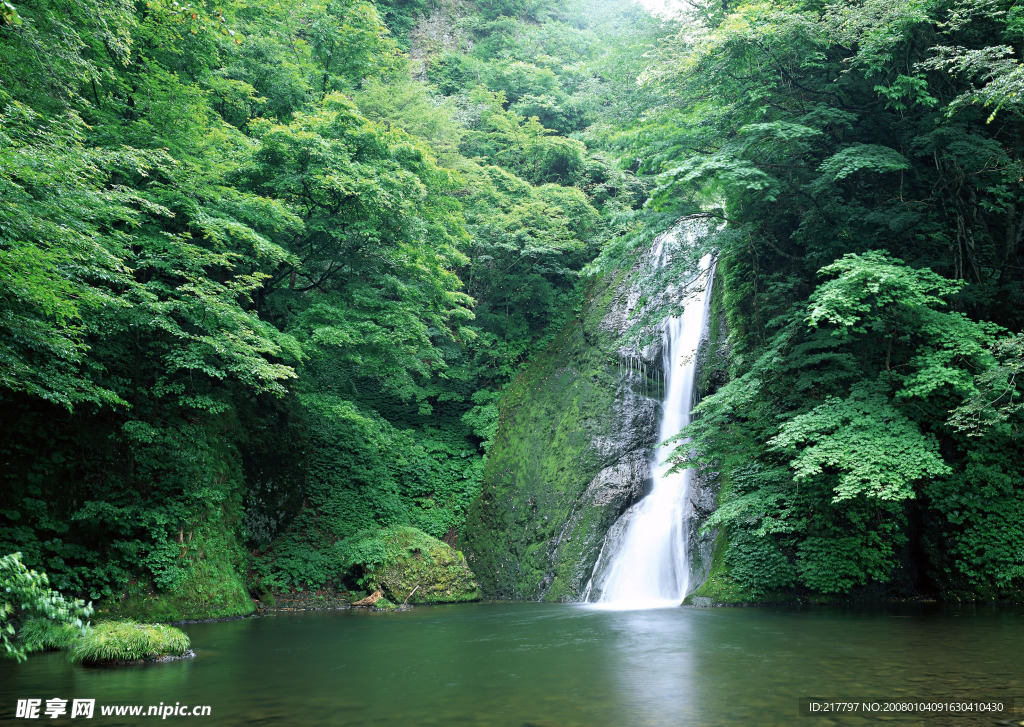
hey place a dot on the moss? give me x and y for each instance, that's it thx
(721, 588)
(414, 566)
(528, 534)
(212, 586)
(126, 641)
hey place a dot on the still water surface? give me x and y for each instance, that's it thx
(545, 665)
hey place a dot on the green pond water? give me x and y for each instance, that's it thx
(545, 665)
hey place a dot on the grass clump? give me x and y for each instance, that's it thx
(116, 641)
(43, 634)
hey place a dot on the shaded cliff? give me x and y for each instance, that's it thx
(713, 360)
(573, 449)
(569, 456)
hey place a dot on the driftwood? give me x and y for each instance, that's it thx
(410, 595)
(370, 600)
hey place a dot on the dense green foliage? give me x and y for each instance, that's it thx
(268, 272)
(866, 159)
(26, 593)
(40, 634)
(265, 269)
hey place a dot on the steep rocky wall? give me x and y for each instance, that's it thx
(573, 450)
(571, 453)
(712, 372)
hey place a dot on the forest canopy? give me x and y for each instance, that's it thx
(267, 266)
(866, 160)
(267, 269)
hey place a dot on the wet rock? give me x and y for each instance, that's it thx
(701, 602)
(572, 451)
(703, 500)
(190, 654)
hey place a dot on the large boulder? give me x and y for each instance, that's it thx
(406, 563)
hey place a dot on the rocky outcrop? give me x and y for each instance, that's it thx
(576, 434)
(711, 373)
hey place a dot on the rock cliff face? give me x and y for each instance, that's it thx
(572, 452)
(712, 372)
(569, 456)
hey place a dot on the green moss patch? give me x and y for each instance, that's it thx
(720, 587)
(406, 563)
(211, 585)
(112, 642)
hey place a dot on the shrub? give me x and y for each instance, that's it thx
(28, 591)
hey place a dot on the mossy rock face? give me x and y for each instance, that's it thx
(577, 429)
(418, 564)
(212, 586)
(125, 642)
(571, 453)
(719, 588)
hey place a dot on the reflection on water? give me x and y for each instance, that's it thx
(532, 664)
(654, 668)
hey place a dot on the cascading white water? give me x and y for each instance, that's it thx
(644, 563)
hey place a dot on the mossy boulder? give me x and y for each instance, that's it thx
(119, 642)
(406, 563)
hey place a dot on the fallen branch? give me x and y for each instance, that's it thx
(410, 594)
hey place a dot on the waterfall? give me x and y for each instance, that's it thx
(644, 561)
